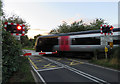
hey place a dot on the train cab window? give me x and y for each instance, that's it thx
(48, 41)
(39, 41)
(86, 41)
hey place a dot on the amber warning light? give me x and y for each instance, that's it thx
(111, 28)
(19, 27)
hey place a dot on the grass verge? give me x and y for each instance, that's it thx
(28, 48)
(110, 63)
(23, 75)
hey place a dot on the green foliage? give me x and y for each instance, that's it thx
(1, 11)
(28, 43)
(23, 74)
(64, 28)
(32, 41)
(115, 53)
(96, 24)
(27, 48)
(106, 63)
(24, 71)
(25, 41)
(112, 62)
(77, 26)
(11, 51)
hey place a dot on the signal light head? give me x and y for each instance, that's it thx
(104, 25)
(19, 28)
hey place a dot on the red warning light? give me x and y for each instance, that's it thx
(19, 27)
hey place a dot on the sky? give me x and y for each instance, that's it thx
(44, 15)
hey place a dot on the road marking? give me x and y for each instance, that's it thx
(32, 63)
(50, 69)
(49, 66)
(93, 78)
(59, 59)
(75, 63)
(69, 59)
(39, 75)
(39, 60)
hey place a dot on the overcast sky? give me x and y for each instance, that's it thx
(44, 16)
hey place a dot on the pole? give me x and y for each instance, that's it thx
(106, 55)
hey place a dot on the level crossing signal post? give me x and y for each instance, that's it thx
(107, 38)
(17, 30)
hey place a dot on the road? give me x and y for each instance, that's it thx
(51, 69)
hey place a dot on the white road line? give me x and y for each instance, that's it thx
(34, 76)
(39, 75)
(50, 69)
(93, 78)
(102, 67)
(98, 66)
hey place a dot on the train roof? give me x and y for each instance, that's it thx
(75, 33)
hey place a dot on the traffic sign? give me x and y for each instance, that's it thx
(106, 49)
(111, 44)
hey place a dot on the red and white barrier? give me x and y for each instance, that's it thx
(39, 53)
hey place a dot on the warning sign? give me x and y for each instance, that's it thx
(106, 49)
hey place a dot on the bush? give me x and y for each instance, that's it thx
(11, 51)
(116, 52)
(112, 62)
(116, 57)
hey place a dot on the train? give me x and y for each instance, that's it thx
(75, 42)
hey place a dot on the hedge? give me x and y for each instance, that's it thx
(11, 51)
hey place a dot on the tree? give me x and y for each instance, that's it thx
(64, 28)
(54, 31)
(78, 26)
(25, 41)
(95, 24)
(35, 37)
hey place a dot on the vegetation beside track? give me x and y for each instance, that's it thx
(27, 48)
(23, 75)
(112, 62)
(14, 67)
